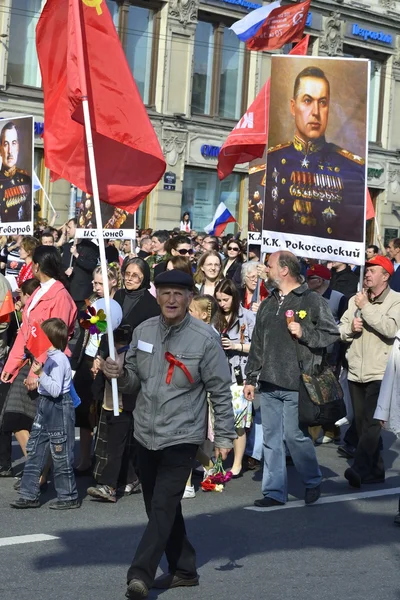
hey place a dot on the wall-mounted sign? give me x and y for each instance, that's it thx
(375, 36)
(38, 127)
(390, 234)
(210, 151)
(169, 181)
(374, 173)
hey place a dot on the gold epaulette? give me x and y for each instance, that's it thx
(354, 157)
(279, 147)
(257, 169)
(22, 172)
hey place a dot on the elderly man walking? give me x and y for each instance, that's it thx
(173, 361)
(369, 325)
(273, 360)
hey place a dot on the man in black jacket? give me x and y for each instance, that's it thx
(291, 321)
(344, 280)
(79, 258)
(394, 255)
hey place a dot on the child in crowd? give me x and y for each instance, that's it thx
(53, 426)
(204, 308)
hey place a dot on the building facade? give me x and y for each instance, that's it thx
(197, 80)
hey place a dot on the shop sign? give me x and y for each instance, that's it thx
(169, 181)
(354, 30)
(210, 151)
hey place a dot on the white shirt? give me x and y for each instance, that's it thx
(44, 287)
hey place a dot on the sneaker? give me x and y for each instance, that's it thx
(189, 492)
(131, 488)
(5, 472)
(103, 492)
(65, 504)
(137, 589)
(25, 503)
(312, 494)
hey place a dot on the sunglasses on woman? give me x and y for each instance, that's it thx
(183, 251)
(234, 249)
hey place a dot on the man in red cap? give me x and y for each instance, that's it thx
(369, 327)
(318, 279)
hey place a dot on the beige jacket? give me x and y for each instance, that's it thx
(369, 351)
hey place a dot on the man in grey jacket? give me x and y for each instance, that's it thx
(173, 361)
(290, 315)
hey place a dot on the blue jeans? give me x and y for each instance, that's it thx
(280, 422)
(53, 429)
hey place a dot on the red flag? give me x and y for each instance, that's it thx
(37, 343)
(370, 207)
(6, 308)
(128, 156)
(247, 141)
(285, 24)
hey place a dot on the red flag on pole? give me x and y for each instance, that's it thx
(6, 308)
(370, 207)
(37, 343)
(285, 24)
(128, 155)
(247, 141)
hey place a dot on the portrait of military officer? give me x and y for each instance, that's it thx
(314, 187)
(15, 183)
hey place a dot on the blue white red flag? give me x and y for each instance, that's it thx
(247, 27)
(221, 219)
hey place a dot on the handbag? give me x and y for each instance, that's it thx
(321, 398)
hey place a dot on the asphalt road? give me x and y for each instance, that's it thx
(346, 547)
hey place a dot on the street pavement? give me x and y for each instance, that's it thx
(345, 547)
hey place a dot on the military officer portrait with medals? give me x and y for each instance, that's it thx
(314, 187)
(15, 183)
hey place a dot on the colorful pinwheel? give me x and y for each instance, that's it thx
(94, 321)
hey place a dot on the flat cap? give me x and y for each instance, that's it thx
(174, 278)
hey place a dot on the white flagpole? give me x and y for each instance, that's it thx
(134, 229)
(96, 198)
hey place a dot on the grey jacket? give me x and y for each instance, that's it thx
(273, 355)
(173, 413)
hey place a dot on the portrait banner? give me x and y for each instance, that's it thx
(118, 224)
(315, 194)
(16, 151)
(256, 200)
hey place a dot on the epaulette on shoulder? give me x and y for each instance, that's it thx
(354, 157)
(257, 169)
(279, 147)
(22, 172)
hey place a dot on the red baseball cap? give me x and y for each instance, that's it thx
(319, 271)
(382, 261)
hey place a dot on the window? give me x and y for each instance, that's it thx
(23, 65)
(220, 68)
(138, 47)
(202, 192)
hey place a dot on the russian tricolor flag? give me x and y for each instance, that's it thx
(247, 27)
(221, 219)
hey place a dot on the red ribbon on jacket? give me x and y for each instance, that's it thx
(174, 362)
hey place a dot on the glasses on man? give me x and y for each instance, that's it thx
(183, 251)
(233, 248)
(133, 277)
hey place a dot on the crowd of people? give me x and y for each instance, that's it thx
(207, 362)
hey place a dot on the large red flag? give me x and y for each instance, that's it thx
(370, 213)
(285, 24)
(128, 156)
(7, 307)
(247, 141)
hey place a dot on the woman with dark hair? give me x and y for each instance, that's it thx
(114, 445)
(185, 223)
(236, 338)
(26, 250)
(51, 299)
(181, 263)
(234, 258)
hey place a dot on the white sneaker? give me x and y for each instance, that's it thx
(324, 439)
(343, 421)
(189, 492)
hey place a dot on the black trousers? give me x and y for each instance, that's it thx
(119, 451)
(368, 462)
(5, 438)
(163, 474)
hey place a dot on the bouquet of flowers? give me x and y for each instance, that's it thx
(215, 480)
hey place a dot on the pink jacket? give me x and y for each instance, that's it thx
(56, 302)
